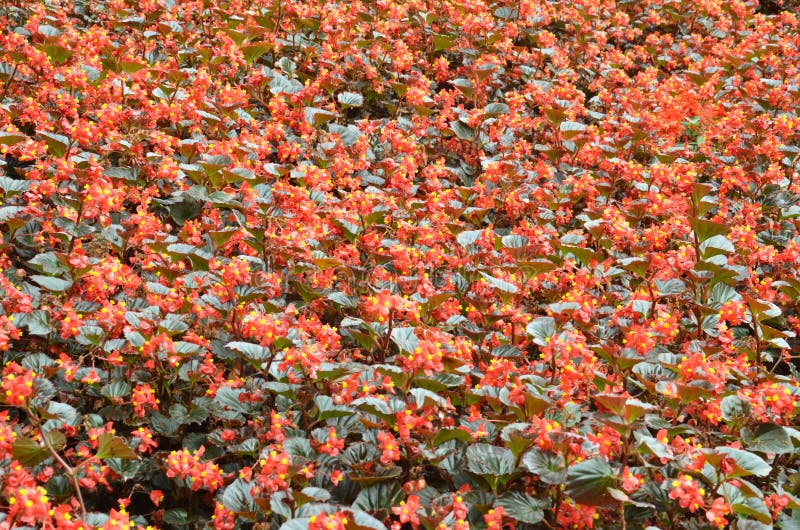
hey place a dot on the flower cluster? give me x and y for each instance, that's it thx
(399, 264)
(197, 474)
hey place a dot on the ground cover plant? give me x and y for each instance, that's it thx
(383, 264)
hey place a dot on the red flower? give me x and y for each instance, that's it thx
(17, 384)
(407, 511)
(197, 474)
(156, 496)
(143, 399)
(332, 445)
(716, 514)
(630, 482)
(494, 519)
(688, 493)
(322, 521)
(389, 446)
(336, 477)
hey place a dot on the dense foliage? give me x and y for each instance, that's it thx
(399, 264)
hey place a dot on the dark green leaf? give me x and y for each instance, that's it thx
(317, 117)
(52, 283)
(379, 496)
(494, 109)
(487, 460)
(350, 99)
(9, 138)
(237, 498)
(768, 438)
(176, 517)
(110, 446)
(549, 467)
(670, 287)
(443, 42)
(733, 408)
(57, 144)
(588, 482)
(746, 463)
(497, 283)
(405, 339)
(252, 351)
(27, 452)
(253, 51)
(522, 507)
(541, 329)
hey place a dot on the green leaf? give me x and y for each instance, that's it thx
(462, 130)
(343, 300)
(588, 482)
(52, 283)
(298, 523)
(127, 469)
(746, 463)
(571, 129)
(253, 51)
(364, 521)
(13, 187)
(256, 352)
(541, 329)
(468, 237)
(57, 144)
(670, 287)
(124, 173)
(715, 245)
(708, 229)
(506, 351)
(445, 435)
(733, 408)
(502, 285)
(350, 99)
(37, 322)
(110, 446)
(316, 116)
(637, 265)
(327, 409)
(382, 495)
(514, 241)
(495, 109)
(522, 507)
(405, 339)
(176, 517)
(424, 398)
(64, 412)
(348, 134)
(227, 405)
(768, 438)
(443, 42)
(549, 467)
(9, 213)
(237, 498)
(116, 389)
(9, 138)
(746, 505)
(163, 425)
(490, 460)
(57, 54)
(27, 452)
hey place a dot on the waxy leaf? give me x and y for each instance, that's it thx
(110, 446)
(588, 482)
(522, 507)
(490, 460)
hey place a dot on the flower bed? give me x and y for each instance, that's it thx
(387, 264)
